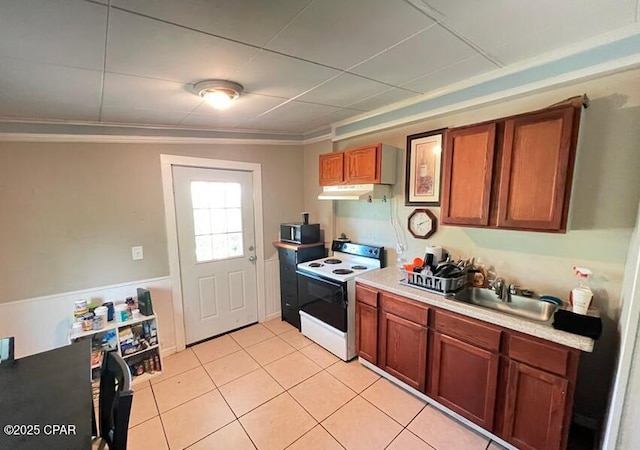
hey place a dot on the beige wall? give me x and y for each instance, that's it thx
(319, 212)
(71, 212)
(603, 209)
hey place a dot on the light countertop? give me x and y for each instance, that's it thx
(388, 280)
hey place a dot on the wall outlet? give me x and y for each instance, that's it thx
(137, 253)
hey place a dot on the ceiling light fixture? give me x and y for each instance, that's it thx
(218, 93)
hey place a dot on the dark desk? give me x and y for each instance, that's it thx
(46, 400)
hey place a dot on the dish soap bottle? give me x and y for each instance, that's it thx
(581, 296)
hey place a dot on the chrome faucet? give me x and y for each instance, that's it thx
(501, 290)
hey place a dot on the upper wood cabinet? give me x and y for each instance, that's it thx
(331, 169)
(535, 169)
(375, 164)
(468, 169)
(512, 173)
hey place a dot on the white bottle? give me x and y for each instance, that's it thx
(582, 295)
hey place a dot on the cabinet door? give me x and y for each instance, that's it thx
(536, 168)
(465, 379)
(403, 349)
(331, 168)
(367, 332)
(467, 175)
(535, 408)
(363, 165)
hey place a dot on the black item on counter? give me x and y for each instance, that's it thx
(144, 302)
(577, 323)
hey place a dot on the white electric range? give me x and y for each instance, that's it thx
(326, 295)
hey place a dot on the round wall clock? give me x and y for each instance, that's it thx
(422, 223)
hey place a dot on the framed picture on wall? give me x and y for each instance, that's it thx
(424, 165)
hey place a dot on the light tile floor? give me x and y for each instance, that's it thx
(269, 387)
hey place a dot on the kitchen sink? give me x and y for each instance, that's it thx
(526, 307)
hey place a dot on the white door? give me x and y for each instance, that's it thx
(216, 242)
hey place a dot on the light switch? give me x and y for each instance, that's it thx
(137, 253)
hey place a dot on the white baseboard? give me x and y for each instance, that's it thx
(275, 315)
(168, 351)
(272, 288)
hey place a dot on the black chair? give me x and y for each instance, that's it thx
(114, 404)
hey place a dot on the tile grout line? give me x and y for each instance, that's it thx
(285, 390)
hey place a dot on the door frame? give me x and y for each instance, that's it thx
(166, 164)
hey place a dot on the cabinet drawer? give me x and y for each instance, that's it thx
(547, 356)
(367, 295)
(407, 309)
(469, 330)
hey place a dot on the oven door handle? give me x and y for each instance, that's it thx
(339, 295)
(320, 278)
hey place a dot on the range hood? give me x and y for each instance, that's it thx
(355, 192)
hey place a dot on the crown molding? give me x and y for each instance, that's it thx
(122, 139)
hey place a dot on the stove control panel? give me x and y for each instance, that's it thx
(351, 248)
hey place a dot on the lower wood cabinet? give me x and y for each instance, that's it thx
(402, 339)
(464, 378)
(367, 332)
(514, 385)
(403, 349)
(536, 404)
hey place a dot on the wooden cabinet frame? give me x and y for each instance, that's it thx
(454, 155)
(486, 362)
(515, 369)
(535, 203)
(373, 164)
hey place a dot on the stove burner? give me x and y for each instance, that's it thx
(358, 267)
(332, 261)
(316, 264)
(343, 271)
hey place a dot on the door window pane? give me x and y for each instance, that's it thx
(217, 219)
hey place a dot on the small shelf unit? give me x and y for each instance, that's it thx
(144, 328)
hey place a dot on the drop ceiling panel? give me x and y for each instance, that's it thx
(344, 90)
(247, 106)
(251, 21)
(276, 125)
(211, 121)
(66, 33)
(298, 112)
(141, 116)
(471, 67)
(525, 29)
(126, 91)
(282, 76)
(146, 47)
(342, 33)
(46, 111)
(328, 119)
(586, 21)
(424, 53)
(24, 85)
(386, 98)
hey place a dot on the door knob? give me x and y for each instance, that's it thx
(252, 258)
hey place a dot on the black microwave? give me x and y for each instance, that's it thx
(300, 233)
